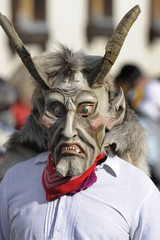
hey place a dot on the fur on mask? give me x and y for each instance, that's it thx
(128, 139)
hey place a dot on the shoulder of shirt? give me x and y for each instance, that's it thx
(116, 164)
(113, 165)
(120, 168)
(39, 159)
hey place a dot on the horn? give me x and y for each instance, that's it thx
(22, 51)
(113, 47)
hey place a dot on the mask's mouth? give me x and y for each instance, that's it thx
(71, 149)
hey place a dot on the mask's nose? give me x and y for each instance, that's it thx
(69, 131)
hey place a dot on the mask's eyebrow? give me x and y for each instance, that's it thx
(86, 96)
(54, 97)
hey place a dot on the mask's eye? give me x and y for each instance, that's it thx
(86, 109)
(57, 110)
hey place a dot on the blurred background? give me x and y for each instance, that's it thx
(87, 25)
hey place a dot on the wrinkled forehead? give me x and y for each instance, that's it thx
(70, 84)
(76, 85)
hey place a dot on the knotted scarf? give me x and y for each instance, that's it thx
(55, 185)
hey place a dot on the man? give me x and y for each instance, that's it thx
(79, 188)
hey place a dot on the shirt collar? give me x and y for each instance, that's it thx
(41, 158)
(112, 162)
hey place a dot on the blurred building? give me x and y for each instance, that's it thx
(83, 24)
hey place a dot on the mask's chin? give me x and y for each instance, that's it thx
(70, 166)
(71, 159)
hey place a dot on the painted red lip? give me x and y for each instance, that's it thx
(71, 149)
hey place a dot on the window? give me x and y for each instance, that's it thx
(29, 21)
(100, 21)
(155, 20)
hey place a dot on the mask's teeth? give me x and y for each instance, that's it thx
(69, 148)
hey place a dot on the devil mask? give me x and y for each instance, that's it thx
(74, 118)
(75, 114)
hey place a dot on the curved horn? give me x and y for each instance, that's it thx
(114, 46)
(22, 51)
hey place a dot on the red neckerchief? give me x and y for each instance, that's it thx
(55, 185)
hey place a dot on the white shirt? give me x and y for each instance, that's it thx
(123, 204)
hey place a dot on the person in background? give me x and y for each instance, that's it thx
(22, 107)
(133, 83)
(149, 115)
(8, 96)
(143, 95)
